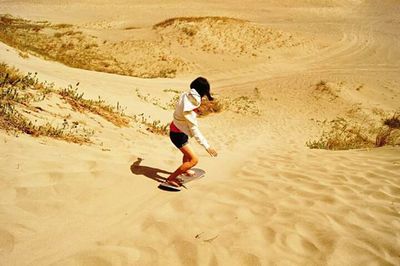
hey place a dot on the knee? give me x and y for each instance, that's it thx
(194, 161)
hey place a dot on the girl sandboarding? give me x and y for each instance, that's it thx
(184, 126)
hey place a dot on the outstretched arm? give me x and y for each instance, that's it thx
(196, 133)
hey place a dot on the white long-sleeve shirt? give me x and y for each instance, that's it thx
(185, 119)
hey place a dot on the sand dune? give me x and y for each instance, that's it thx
(284, 70)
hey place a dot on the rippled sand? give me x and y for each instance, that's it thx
(266, 199)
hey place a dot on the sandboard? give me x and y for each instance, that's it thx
(199, 173)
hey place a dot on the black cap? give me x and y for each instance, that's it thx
(202, 86)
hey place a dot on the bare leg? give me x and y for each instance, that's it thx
(184, 160)
(189, 160)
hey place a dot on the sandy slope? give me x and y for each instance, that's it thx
(266, 200)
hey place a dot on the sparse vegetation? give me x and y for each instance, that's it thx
(62, 26)
(12, 120)
(16, 94)
(325, 90)
(208, 107)
(241, 105)
(131, 28)
(155, 127)
(173, 91)
(389, 133)
(65, 44)
(19, 92)
(174, 99)
(112, 114)
(171, 21)
(344, 134)
(393, 122)
(23, 55)
(215, 35)
(54, 42)
(149, 99)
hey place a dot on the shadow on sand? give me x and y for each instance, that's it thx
(149, 172)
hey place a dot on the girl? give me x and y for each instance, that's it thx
(185, 125)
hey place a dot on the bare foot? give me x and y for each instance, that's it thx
(174, 182)
(190, 173)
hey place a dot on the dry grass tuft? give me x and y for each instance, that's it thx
(325, 90)
(345, 135)
(208, 107)
(342, 135)
(16, 95)
(112, 114)
(245, 105)
(21, 87)
(171, 21)
(389, 133)
(155, 127)
(393, 122)
(63, 26)
(153, 100)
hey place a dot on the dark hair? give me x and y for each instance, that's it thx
(202, 86)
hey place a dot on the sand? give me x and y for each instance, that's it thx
(267, 199)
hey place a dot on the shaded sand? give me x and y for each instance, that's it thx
(266, 199)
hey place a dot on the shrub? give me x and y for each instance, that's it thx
(344, 135)
(393, 122)
(207, 107)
